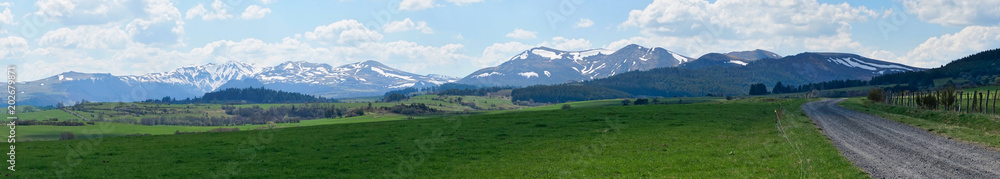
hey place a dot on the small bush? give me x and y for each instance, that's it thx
(929, 102)
(566, 106)
(67, 136)
(642, 101)
(876, 94)
(626, 102)
(948, 97)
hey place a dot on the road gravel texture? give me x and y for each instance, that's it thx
(888, 149)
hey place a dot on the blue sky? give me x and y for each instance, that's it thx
(456, 37)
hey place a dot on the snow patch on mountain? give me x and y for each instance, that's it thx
(547, 54)
(679, 57)
(528, 74)
(383, 73)
(487, 74)
(738, 62)
(547, 74)
(851, 62)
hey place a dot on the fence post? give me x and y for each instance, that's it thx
(995, 94)
(968, 102)
(987, 102)
(981, 109)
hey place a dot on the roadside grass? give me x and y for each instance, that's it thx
(731, 139)
(982, 129)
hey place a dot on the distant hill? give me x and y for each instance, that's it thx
(715, 60)
(980, 68)
(754, 55)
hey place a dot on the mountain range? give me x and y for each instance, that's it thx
(535, 66)
(367, 78)
(543, 65)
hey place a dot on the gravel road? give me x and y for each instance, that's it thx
(888, 149)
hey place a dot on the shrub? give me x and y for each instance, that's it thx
(642, 101)
(948, 97)
(876, 94)
(929, 102)
(626, 102)
(566, 106)
(67, 136)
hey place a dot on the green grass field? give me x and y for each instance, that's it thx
(982, 129)
(93, 110)
(732, 139)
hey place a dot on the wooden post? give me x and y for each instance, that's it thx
(959, 102)
(968, 102)
(987, 102)
(980, 101)
(995, 94)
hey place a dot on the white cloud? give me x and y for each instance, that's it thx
(219, 11)
(413, 5)
(522, 34)
(463, 2)
(6, 4)
(696, 27)
(407, 25)
(499, 52)
(255, 12)
(745, 18)
(943, 49)
(148, 22)
(562, 43)
(956, 12)
(87, 37)
(267, 1)
(12, 46)
(89, 12)
(195, 11)
(6, 17)
(584, 23)
(344, 31)
(459, 37)
(163, 25)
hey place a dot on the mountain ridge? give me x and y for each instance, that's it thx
(349, 80)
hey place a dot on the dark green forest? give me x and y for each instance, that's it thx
(564, 93)
(247, 95)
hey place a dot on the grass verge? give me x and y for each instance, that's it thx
(975, 128)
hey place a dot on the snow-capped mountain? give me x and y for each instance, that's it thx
(834, 66)
(366, 78)
(543, 65)
(204, 77)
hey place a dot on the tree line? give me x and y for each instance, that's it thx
(565, 93)
(779, 88)
(247, 95)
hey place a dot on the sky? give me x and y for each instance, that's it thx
(456, 37)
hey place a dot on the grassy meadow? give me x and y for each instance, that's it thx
(729, 139)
